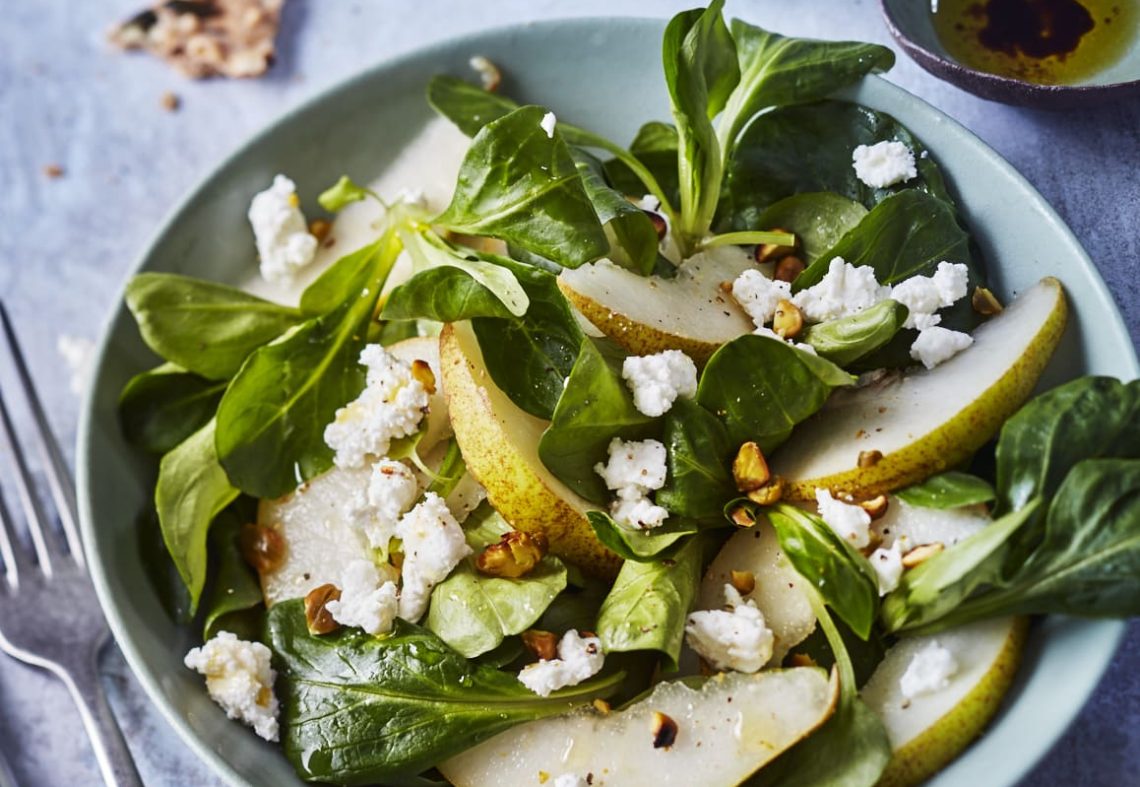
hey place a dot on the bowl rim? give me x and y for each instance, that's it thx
(995, 87)
(1111, 632)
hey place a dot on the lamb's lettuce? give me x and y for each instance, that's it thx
(161, 407)
(641, 545)
(952, 489)
(846, 340)
(699, 456)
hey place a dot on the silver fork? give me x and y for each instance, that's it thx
(49, 615)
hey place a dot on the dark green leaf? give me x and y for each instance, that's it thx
(341, 281)
(521, 186)
(865, 655)
(442, 294)
(952, 489)
(234, 588)
(762, 387)
(388, 332)
(699, 456)
(595, 408)
(192, 489)
(205, 328)
(647, 606)
(640, 545)
(847, 339)
(160, 408)
(818, 219)
(360, 709)
(655, 147)
(494, 273)
(634, 236)
(468, 106)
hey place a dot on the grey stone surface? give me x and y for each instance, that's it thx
(67, 244)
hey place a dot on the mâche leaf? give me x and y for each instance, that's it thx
(699, 454)
(845, 340)
(495, 274)
(645, 545)
(234, 590)
(952, 489)
(634, 238)
(818, 219)
(161, 407)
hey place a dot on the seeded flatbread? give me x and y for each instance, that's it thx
(205, 38)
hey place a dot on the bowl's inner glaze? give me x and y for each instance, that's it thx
(614, 85)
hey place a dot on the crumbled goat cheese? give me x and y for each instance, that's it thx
(392, 489)
(578, 659)
(391, 406)
(366, 600)
(433, 545)
(851, 523)
(79, 355)
(635, 468)
(638, 512)
(758, 295)
(936, 345)
(570, 780)
(845, 290)
(883, 164)
(648, 202)
(240, 679)
(736, 639)
(657, 380)
(769, 333)
(930, 670)
(888, 567)
(279, 228)
(548, 123)
(924, 295)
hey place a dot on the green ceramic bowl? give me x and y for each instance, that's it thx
(614, 85)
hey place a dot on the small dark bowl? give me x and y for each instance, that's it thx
(910, 24)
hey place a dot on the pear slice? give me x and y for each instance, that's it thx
(725, 730)
(648, 314)
(317, 531)
(930, 730)
(778, 592)
(500, 445)
(925, 422)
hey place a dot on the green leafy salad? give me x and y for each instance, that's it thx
(707, 460)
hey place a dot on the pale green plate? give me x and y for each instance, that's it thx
(614, 84)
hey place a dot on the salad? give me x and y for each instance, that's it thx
(707, 460)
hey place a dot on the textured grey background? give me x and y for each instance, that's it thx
(66, 245)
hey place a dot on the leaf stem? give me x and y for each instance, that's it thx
(748, 238)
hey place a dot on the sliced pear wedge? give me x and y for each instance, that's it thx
(726, 729)
(648, 314)
(318, 534)
(500, 445)
(778, 592)
(924, 422)
(930, 730)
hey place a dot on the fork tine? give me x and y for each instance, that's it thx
(15, 560)
(42, 538)
(58, 475)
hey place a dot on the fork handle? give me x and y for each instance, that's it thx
(114, 758)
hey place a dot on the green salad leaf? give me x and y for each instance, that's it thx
(359, 709)
(952, 489)
(161, 407)
(699, 455)
(655, 149)
(234, 590)
(468, 106)
(846, 340)
(442, 294)
(342, 194)
(204, 327)
(818, 219)
(640, 545)
(492, 272)
(633, 236)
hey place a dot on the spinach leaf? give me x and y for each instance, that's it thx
(360, 709)
(468, 106)
(234, 589)
(442, 294)
(701, 71)
(807, 148)
(1086, 418)
(655, 148)
(595, 408)
(576, 607)
(271, 421)
(160, 408)
(192, 489)
(952, 489)
(529, 357)
(640, 545)
(778, 71)
(840, 573)
(493, 272)
(847, 339)
(634, 236)
(521, 186)
(818, 219)
(647, 606)
(204, 327)
(341, 281)
(762, 387)
(699, 455)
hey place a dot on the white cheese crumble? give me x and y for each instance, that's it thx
(883, 164)
(736, 639)
(758, 295)
(657, 380)
(433, 545)
(930, 670)
(79, 355)
(570, 780)
(391, 406)
(635, 468)
(936, 345)
(888, 567)
(924, 295)
(769, 333)
(851, 523)
(280, 231)
(845, 290)
(648, 202)
(366, 600)
(578, 659)
(392, 489)
(548, 123)
(240, 679)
